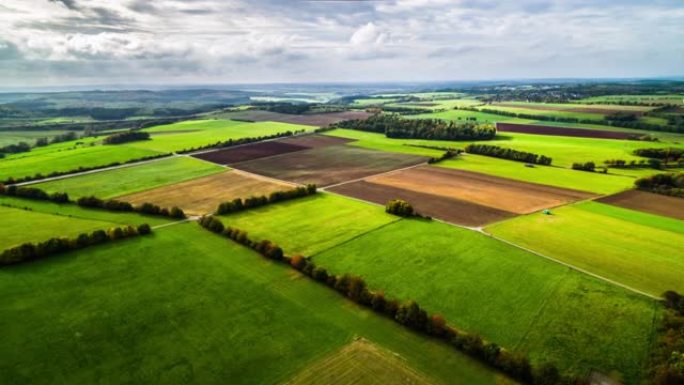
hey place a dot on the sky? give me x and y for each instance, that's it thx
(167, 42)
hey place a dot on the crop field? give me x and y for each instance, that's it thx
(524, 302)
(646, 99)
(448, 209)
(560, 131)
(107, 326)
(203, 195)
(644, 201)
(636, 249)
(127, 180)
(310, 225)
(73, 211)
(601, 109)
(12, 137)
(197, 133)
(270, 148)
(19, 226)
(317, 120)
(500, 193)
(329, 165)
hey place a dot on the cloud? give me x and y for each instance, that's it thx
(270, 40)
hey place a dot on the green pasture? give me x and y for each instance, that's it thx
(466, 115)
(647, 99)
(554, 113)
(309, 225)
(19, 226)
(28, 136)
(368, 102)
(197, 133)
(127, 180)
(224, 314)
(73, 211)
(640, 250)
(507, 295)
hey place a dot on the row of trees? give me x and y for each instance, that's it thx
(588, 166)
(31, 251)
(144, 208)
(449, 154)
(394, 126)
(667, 363)
(642, 163)
(53, 174)
(91, 201)
(667, 155)
(68, 136)
(409, 313)
(507, 153)
(125, 137)
(240, 141)
(20, 147)
(665, 184)
(238, 204)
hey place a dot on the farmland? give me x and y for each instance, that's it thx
(648, 202)
(127, 180)
(129, 340)
(203, 195)
(328, 165)
(636, 249)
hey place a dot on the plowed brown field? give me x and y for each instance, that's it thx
(672, 207)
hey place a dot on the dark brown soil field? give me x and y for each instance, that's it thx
(486, 190)
(329, 165)
(318, 120)
(664, 205)
(560, 131)
(591, 110)
(249, 152)
(447, 209)
(316, 141)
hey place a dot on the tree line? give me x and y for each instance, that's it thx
(91, 202)
(409, 313)
(38, 176)
(666, 155)
(30, 251)
(666, 184)
(40, 142)
(642, 163)
(667, 360)
(125, 137)
(507, 153)
(239, 204)
(394, 126)
(448, 154)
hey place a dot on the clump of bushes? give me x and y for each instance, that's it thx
(667, 361)
(588, 166)
(31, 251)
(449, 154)
(239, 204)
(400, 208)
(33, 193)
(666, 184)
(507, 153)
(125, 137)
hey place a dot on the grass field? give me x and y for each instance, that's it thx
(310, 225)
(510, 296)
(648, 99)
(127, 180)
(465, 115)
(196, 133)
(228, 316)
(19, 226)
(636, 249)
(12, 137)
(66, 160)
(76, 212)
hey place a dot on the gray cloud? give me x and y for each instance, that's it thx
(91, 41)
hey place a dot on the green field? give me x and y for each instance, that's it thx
(73, 211)
(28, 136)
(466, 115)
(647, 99)
(509, 296)
(310, 225)
(186, 306)
(640, 250)
(368, 102)
(197, 133)
(127, 180)
(19, 226)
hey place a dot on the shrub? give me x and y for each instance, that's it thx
(124, 137)
(588, 166)
(400, 208)
(507, 153)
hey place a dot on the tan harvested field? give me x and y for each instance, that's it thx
(360, 363)
(452, 210)
(329, 165)
(590, 108)
(503, 194)
(672, 207)
(318, 120)
(203, 195)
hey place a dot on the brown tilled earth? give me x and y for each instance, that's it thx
(203, 195)
(316, 141)
(668, 206)
(503, 194)
(319, 120)
(437, 206)
(560, 131)
(249, 152)
(329, 165)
